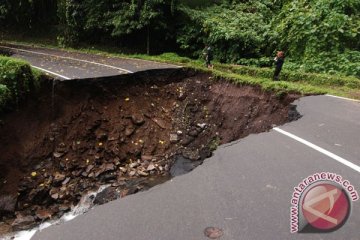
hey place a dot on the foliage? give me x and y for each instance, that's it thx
(71, 15)
(132, 16)
(257, 62)
(307, 27)
(347, 63)
(27, 13)
(296, 76)
(320, 36)
(5, 96)
(235, 31)
(16, 81)
(3, 10)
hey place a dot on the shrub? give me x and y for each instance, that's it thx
(294, 76)
(16, 81)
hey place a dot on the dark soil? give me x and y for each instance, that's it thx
(126, 132)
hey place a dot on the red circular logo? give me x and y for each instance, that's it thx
(326, 207)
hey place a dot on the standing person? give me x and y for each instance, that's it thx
(208, 56)
(279, 61)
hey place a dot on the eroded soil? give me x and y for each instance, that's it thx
(125, 132)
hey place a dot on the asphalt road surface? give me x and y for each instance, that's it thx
(245, 188)
(65, 65)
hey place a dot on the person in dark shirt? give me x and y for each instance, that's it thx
(279, 61)
(207, 52)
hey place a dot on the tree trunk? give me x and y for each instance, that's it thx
(148, 41)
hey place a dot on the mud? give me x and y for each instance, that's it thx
(130, 132)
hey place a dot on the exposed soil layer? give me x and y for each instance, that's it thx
(125, 132)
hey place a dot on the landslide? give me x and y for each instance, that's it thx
(74, 136)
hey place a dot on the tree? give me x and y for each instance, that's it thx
(307, 27)
(234, 30)
(138, 15)
(28, 14)
(71, 15)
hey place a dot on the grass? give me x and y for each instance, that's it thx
(304, 83)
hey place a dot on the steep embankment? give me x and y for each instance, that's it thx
(77, 135)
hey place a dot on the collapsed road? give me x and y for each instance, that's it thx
(129, 135)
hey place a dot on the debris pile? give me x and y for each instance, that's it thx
(124, 135)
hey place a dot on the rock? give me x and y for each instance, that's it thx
(193, 133)
(124, 193)
(7, 204)
(89, 168)
(117, 161)
(147, 158)
(76, 173)
(213, 232)
(129, 130)
(58, 154)
(132, 173)
(187, 140)
(159, 122)
(108, 177)
(105, 168)
(193, 155)
(109, 167)
(201, 125)
(134, 189)
(150, 167)
(38, 195)
(143, 174)
(102, 136)
(25, 185)
(138, 119)
(4, 228)
(55, 196)
(66, 181)
(133, 165)
(58, 177)
(205, 153)
(23, 223)
(174, 138)
(64, 207)
(116, 184)
(107, 195)
(182, 96)
(122, 169)
(179, 133)
(43, 214)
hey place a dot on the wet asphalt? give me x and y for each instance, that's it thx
(245, 188)
(66, 65)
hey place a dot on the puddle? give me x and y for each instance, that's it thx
(182, 166)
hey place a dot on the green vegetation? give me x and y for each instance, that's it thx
(321, 80)
(319, 36)
(16, 80)
(292, 81)
(304, 83)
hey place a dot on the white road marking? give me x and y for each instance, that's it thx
(102, 54)
(70, 58)
(344, 98)
(52, 73)
(321, 150)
